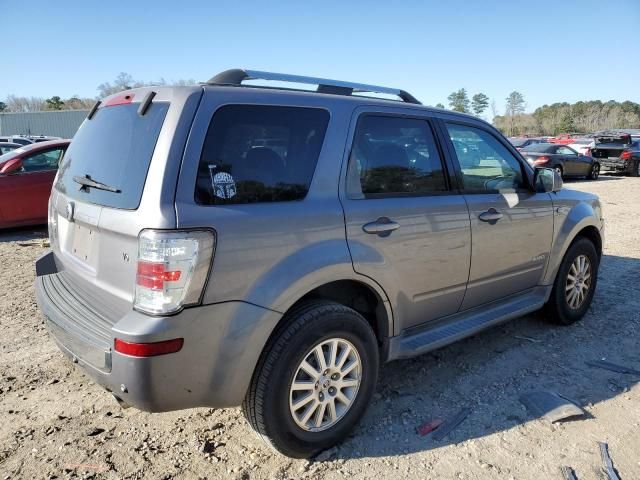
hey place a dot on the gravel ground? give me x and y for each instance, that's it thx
(57, 424)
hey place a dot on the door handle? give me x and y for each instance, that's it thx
(382, 227)
(491, 216)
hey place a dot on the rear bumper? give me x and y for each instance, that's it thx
(610, 164)
(222, 344)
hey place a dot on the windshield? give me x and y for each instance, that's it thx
(540, 147)
(11, 154)
(115, 148)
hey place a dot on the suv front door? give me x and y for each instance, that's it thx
(511, 225)
(406, 229)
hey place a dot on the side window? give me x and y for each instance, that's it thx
(42, 161)
(255, 154)
(565, 151)
(394, 156)
(486, 164)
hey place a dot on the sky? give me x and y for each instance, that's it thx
(550, 51)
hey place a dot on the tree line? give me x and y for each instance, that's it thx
(123, 81)
(579, 117)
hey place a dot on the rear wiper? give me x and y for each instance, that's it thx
(86, 182)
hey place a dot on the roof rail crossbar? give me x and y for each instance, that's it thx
(337, 87)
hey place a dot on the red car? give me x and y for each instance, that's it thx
(26, 177)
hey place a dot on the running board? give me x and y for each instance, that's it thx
(422, 339)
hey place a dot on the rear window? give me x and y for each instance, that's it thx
(541, 147)
(114, 148)
(255, 154)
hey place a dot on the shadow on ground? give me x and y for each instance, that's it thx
(487, 373)
(23, 234)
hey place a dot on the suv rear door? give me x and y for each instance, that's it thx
(406, 228)
(511, 225)
(94, 232)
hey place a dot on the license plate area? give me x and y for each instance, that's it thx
(83, 243)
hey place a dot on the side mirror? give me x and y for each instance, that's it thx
(11, 166)
(547, 180)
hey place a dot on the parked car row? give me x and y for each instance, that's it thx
(27, 139)
(584, 155)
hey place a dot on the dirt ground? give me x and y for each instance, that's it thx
(55, 423)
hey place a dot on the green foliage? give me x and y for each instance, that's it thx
(580, 117)
(54, 103)
(3, 106)
(459, 101)
(439, 105)
(479, 103)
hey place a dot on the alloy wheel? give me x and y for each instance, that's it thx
(578, 282)
(596, 171)
(325, 384)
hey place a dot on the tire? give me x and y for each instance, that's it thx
(635, 169)
(558, 169)
(559, 308)
(269, 403)
(595, 172)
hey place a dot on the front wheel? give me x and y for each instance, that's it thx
(575, 283)
(595, 172)
(634, 171)
(314, 379)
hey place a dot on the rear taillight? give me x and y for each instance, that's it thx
(587, 152)
(52, 220)
(540, 160)
(172, 269)
(626, 155)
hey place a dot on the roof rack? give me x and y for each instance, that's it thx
(337, 87)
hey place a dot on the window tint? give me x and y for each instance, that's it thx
(259, 154)
(393, 156)
(565, 151)
(486, 164)
(115, 148)
(40, 161)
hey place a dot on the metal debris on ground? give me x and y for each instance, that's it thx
(529, 339)
(608, 464)
(613, 367)
(448, 425)
(551, 405)
(428, 427)
(568, 473)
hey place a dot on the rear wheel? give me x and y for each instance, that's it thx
(558, 169)
(595, 172)
(575, 283)
(314, 379)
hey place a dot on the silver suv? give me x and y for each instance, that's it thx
(228, 244)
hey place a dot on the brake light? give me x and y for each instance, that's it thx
(540, 160)
(587, 152)
(626, 155)
(172, 269)
(148, 349)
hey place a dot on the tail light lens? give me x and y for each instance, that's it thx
(587, 152)
(626, 155)
(541, 160)
(52, 220)
(172, 269)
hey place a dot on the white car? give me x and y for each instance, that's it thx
(582, 145)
